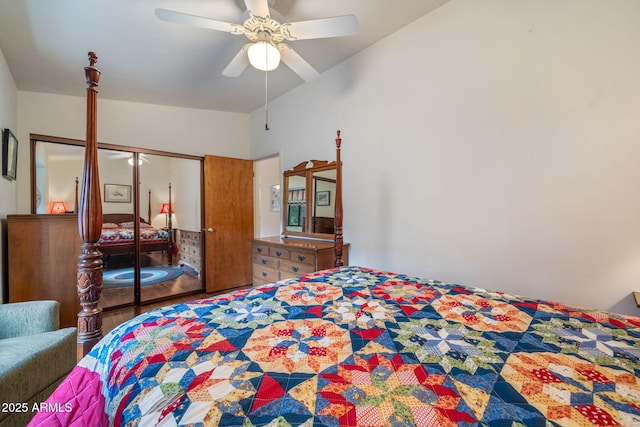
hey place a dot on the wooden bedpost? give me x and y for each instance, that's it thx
(90, 226)
(75, 206)
(170, 226)
(338, 243)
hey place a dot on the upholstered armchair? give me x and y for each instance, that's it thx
(35, 355)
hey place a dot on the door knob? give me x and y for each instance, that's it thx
(209, 230)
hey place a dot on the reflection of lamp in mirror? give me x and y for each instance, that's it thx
(58, 208)
(167, 210)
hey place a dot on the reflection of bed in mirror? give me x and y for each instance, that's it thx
(118, 233)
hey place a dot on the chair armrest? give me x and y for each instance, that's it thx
(27, 318)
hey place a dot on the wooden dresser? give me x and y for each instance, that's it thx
(43, 255)
(190, 249)
(276, 258)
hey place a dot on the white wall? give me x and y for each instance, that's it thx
(185, 190)
(267, 174)
(8, 189)
(172, 129)
(491, 143)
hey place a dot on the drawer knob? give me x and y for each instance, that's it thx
(259, 250)
(278, 253)
(301, 257)
(264, 274)
(295, 269)
(264, 260)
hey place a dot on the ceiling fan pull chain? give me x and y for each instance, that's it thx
(266, 101)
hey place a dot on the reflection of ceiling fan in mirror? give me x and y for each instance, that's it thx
(129, 156)
(266, 30)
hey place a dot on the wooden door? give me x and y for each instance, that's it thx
(228, 224)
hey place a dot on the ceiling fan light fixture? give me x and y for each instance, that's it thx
(130, 161)
(264, 56)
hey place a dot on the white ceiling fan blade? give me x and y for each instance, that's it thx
(258, 7)
(297, 63)
(238, 63)
(337, 26)
(197, 21)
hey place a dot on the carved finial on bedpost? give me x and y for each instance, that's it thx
(338, 242)
(91, 73)
(89, 283)
(93, 58)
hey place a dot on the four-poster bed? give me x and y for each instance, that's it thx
(118, 232)
(117, 237)
(353, 346)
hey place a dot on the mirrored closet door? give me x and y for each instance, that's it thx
(150, 237)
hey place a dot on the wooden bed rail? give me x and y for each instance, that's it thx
(90, 225)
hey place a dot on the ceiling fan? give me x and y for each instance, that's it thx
(266, 30)
(129, 156)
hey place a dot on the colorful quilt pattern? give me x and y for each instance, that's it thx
(120, 235)
(359, 347)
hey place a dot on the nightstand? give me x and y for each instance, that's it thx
(636, 295)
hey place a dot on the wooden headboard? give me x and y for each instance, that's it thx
(120, 217)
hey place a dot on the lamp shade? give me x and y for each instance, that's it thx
(165, 209)
(58, 208)
(264, 56)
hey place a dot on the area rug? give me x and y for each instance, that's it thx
(148, 276)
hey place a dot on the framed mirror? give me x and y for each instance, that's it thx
(309, 200)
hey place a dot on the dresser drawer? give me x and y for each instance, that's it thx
(290, 269)
(259, 282)
(303, 257)
(280, 253)
(190, 235)
(265, 273)
(265, 261)
(260, 249)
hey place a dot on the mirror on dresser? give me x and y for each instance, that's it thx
(309, 193)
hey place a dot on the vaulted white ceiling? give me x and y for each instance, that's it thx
(144, 59)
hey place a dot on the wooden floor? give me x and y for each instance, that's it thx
(186, 287)
(185, 283)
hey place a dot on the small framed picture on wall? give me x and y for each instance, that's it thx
(275, 198)
(9, 155)
(323, 198)
(117, 193)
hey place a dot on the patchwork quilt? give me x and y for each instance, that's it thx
(120, 235)
(358, 347)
